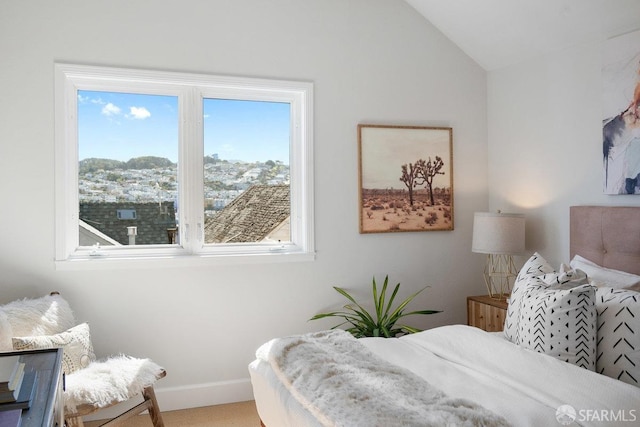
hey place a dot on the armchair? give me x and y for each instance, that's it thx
(91, 384)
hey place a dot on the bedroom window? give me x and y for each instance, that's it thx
(154, 165)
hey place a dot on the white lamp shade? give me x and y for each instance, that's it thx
(498, 233)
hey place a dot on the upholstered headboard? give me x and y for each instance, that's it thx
(606, 235)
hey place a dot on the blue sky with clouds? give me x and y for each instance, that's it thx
(122, 126)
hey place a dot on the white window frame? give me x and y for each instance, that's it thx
(190, 89)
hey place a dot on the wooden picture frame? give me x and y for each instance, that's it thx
(405, 178)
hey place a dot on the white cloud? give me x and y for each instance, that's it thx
(110, 110)
(139, 113)
(87, 99)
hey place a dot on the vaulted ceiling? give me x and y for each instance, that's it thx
(499, 33)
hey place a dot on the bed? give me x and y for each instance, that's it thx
(569, 355)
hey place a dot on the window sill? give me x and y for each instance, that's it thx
(177, 261)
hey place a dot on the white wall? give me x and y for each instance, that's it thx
(372, 61)
(545, 143)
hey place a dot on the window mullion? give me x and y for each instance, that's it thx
(190, 170)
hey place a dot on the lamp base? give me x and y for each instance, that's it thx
(499, 272)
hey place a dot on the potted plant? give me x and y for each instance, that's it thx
(382, 323)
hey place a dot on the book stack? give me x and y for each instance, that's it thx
(17, 389)
(12, 418)
(11, 376)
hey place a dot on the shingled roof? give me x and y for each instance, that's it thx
(251, 217)
(151, 219)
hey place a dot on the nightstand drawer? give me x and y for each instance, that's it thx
(486, 313)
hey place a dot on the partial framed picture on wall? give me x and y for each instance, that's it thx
(621, 114)
(405, 178)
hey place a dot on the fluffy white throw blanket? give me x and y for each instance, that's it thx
(342, 383)
(104, 383)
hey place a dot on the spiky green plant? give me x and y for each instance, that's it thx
(363, 324)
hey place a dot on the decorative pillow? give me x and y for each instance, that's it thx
(535, 266)
(76, 344)
(565, 278)
(618, 334)
(46, 315)
(601, 276)
(559, 322)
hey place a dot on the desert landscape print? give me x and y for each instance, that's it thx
(406, 178)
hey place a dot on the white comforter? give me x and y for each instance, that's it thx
(524, 387)
(341, 383)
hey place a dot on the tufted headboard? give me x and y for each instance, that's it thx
(606, 235)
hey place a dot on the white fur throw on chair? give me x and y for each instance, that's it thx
(47, 315)
(106, 382)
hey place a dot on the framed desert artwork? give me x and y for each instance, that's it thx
(405, 178)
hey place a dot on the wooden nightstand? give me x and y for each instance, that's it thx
(486, 313)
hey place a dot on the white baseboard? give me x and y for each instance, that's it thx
(191, 396)
(194, 396)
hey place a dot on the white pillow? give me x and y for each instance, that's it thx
(601, 276)
(559, 322)
(75, 342)
(618, 334)
(46, 315)
(535, 266)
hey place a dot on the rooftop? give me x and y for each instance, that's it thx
(251, 217)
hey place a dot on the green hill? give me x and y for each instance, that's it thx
(146, 162)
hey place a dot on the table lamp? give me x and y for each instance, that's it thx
(499, 235)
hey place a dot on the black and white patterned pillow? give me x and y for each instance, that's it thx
(535, 266)
(565, 278)
(559, 322)
(618, 354)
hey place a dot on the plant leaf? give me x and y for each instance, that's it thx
(422, 312)
(397, 313)
(345, 294)
(362, 313)
(393, 297)
(410, 329)
(375, 295)
(381, 301)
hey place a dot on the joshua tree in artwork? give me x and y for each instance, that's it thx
(426, 171)
(412, 178)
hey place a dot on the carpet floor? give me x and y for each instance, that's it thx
(241, 414)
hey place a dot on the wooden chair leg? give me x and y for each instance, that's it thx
(74, 422)
(149, 404)
(154, 410)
